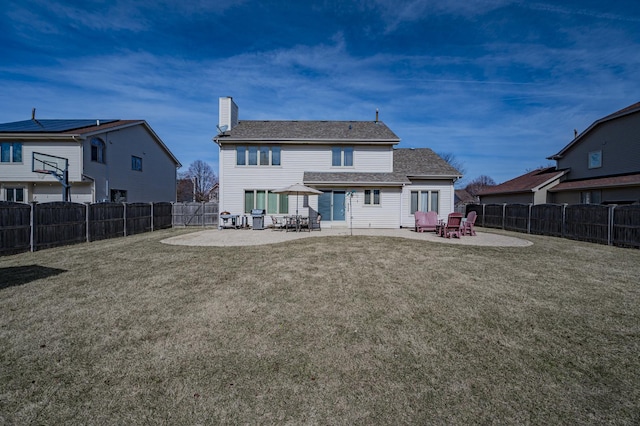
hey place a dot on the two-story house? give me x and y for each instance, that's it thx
(365, 181)
(603, 162)
(107, 160)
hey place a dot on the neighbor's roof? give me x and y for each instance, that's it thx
(604, 182)
(631, 109)
(355, 178)
(348, 131)
(464, 196)
(50, 126)
(66, 129)
(529, 182)
(422, 162)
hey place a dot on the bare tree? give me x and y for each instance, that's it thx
(203, 178)
(453, 161)
(478, 184)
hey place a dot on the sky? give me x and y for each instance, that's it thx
(499, 84)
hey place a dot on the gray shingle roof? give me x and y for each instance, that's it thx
(354, 178)
(421, 162)
(351, 131)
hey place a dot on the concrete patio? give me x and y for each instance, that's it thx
(248, 237)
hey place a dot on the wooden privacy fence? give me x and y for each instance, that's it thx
(195, 214)
(604, 224)
(25, 227)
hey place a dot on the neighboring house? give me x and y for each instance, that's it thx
(116, 160)
(186, 190)
(366, 183)
(530, 188)
(603, 162)
(462, 199)
(213, 193)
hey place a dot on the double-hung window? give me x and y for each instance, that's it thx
(342, 156)
(371, 197)
(254, 155)
(425, 201)
(11, 152)
(261, 199)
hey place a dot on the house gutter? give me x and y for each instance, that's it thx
(39, 136)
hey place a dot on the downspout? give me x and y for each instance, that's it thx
(220, 178)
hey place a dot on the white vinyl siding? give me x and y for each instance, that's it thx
(21, 172)
(294, 161)
(445, 191)
(392, 212)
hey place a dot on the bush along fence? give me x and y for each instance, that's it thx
(31, 227)
(604, 224)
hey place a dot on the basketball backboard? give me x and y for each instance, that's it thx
(50, 164)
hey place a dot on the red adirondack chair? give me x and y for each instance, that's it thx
(452, 227)
(426, 221)
(468, 226)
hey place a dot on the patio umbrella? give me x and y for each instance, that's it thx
(297, 190)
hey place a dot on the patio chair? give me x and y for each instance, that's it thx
(426, 221)
(278, 222)
(468, 226)
(314, 225)
(452, 227)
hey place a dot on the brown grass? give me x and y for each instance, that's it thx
(336, 330)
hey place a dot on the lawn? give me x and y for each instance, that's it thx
(336, 330)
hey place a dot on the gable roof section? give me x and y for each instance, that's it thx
(355, 178)
(321, 131)
(72, 129)
(422, 162)
(529, 182)
(631, 109)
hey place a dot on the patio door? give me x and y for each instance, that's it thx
(332, 206)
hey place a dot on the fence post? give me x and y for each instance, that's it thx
(32, 222)
(483, 213)
(86, 218)
(504, 214)
(124, 218)
(151, 216)
(203, 215)
(564, 221)
(610, 227)
(529, 219)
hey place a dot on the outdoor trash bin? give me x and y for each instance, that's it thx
(258, 218)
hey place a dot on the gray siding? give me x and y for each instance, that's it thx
(521, 198)
(619, 141)
(157, 180)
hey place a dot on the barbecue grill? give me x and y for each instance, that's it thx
(258, 218)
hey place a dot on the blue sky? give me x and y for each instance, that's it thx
(500, 84)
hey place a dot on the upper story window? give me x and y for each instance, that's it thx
(595, 159)
(97, 150)
(372, 197)
(342, 156)
(424, 201)
(254, 155)
(136, 163)
(11, 152)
